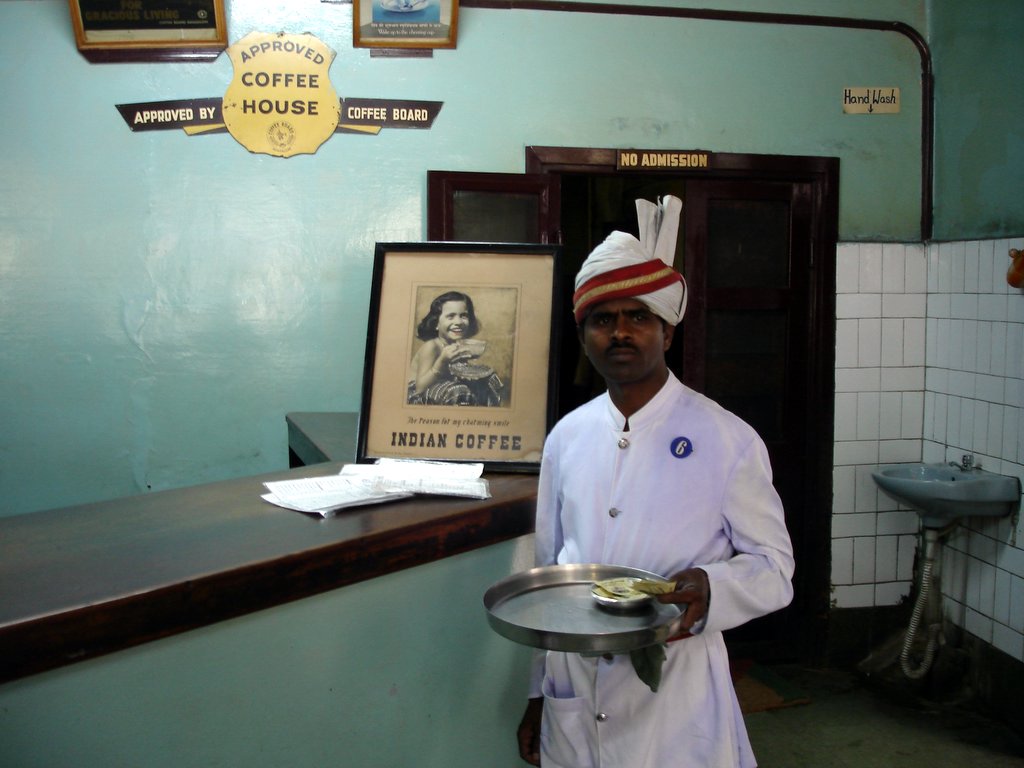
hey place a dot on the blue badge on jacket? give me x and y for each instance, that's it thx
(681, 447)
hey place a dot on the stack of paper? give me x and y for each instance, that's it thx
(387, 480)
(324, 495)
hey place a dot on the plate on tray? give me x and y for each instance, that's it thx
(553, 608)
(623, 598)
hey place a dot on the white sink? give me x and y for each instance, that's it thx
(941, 493)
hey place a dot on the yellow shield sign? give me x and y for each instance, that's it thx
(281, 101)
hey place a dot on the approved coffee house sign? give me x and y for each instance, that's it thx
(281, 101)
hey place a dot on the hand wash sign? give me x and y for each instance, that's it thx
(281, 101)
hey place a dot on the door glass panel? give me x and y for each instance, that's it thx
(748, 244)
(746, 358)
(495, 217)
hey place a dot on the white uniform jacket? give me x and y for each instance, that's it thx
(691, 487)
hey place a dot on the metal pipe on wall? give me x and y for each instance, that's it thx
(927, 78)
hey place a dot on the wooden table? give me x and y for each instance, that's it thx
(82, 581)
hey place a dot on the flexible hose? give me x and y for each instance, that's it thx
(915, 673)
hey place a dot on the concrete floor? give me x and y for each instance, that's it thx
(848, 724)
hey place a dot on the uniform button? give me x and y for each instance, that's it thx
(623, 442)
(601, 717)
(614, 512)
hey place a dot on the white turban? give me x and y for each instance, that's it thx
(625, 267)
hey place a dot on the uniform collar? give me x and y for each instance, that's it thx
(650, 412)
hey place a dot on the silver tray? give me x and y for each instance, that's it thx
(552, 608)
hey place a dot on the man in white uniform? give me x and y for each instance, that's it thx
(652, 475)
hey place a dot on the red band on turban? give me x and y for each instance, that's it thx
(622, 283)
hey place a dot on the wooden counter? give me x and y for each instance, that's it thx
(83, 581)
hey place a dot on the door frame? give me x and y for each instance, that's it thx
(820, 176)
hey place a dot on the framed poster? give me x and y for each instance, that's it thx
(459, 352)
(404, 23)
(149, 30)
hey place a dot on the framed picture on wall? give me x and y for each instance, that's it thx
(149, 30)
(459, 346)
(404, 23)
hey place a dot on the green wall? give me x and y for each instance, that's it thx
(166, 299)
(979, 106)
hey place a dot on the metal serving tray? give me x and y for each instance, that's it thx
(552, 608)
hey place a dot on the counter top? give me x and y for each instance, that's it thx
(79, 582)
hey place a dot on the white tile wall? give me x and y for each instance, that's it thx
(929, 366)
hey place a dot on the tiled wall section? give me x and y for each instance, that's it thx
(881, 304)
(929, 365)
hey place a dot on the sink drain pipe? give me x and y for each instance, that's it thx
(931, 545)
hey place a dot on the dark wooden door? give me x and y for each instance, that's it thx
(748, 343)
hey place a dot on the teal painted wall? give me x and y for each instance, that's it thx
(165, 299)
(979, 104)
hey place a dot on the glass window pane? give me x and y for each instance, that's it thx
(748, 244)
(495, 217)
(746, 359)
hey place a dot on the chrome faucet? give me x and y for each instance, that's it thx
(966, 462)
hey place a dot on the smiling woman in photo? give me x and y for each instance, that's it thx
(443, 371)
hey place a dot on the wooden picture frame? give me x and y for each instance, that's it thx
(149, 30)
(405, 23)
(490, 397)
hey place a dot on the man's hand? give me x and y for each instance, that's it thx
(693, 590)
(529, 732)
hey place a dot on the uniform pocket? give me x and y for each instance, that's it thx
(568, 734)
